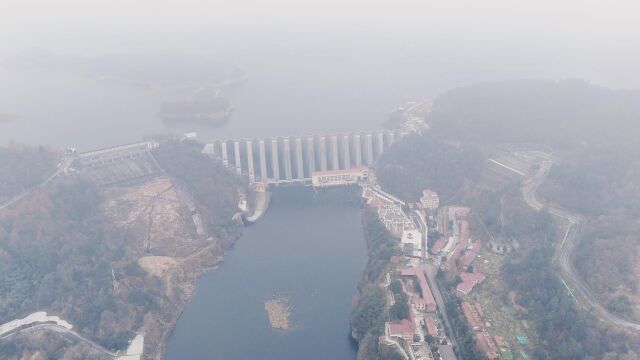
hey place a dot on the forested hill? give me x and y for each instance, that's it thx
(23, 167)
(426, 162)
(602, 184)
(558, 113)
(115, 260)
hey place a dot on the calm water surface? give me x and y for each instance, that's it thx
(309, 248)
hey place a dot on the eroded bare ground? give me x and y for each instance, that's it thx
(167, 249)
(160, 221)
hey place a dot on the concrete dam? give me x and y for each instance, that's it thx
(294, 159)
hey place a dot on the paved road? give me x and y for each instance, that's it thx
(428, 268)
(65, 163)
(570, 243)
(62, 330)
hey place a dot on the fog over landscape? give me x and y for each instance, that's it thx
(338, 179)
(329, 66)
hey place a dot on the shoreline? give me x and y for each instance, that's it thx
(161, 347)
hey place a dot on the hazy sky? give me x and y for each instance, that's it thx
(343, 60)
(577, 38)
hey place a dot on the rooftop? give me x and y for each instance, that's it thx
(341, 172)
(427, 193)
(439, 245)
(401, 326)
(427, 297)
(469, 280)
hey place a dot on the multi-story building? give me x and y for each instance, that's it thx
(339, 177)
(429, 200)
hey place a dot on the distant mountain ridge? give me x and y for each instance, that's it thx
(559, 113)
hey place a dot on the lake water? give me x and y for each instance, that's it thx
(67, 110)
(308, 247)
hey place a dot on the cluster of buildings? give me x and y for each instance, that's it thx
(458, 248)
(459, 252)
(422, 327)
(422, 331)
(390, 212)
(425, 300)
(429, 200)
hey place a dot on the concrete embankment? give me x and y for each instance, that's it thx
(261, 202)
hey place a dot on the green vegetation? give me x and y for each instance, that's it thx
(56, 254)
(421, 162)
(58, 247)
(601, 182)
(24, 167)
(395, 286)
(367, 317)
(588, 128)
(620, 305)
(463, 333)
(369, 314)
(400, 308)
(561, 114)
(380, 244)
(505, 214)
(565, 331)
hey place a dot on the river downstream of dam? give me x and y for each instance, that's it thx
(309, 248)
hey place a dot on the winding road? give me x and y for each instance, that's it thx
(61, 330)
(63, 166)
(569, 244)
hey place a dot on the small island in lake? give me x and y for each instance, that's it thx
(279, 312)
(212, 111)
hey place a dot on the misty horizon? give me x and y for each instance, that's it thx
(285, 180)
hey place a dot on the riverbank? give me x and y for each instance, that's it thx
(366, 328)
(308, 247)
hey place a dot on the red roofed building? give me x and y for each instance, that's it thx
(469, 280)
(404, 328)
(432, 327)
(438, 246)
(487, 347)
(461, 213)
(471, 315)
(471, 253)
(426, 302)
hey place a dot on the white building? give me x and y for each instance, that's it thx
(339, 177)
(412, 237)
(429, 200)
(411, 240)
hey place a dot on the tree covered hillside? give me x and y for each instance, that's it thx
(23, 167)
(559, 113)
(61, 246)
(602, 184)
(426, 162)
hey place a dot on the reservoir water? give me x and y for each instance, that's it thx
(308, 248)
